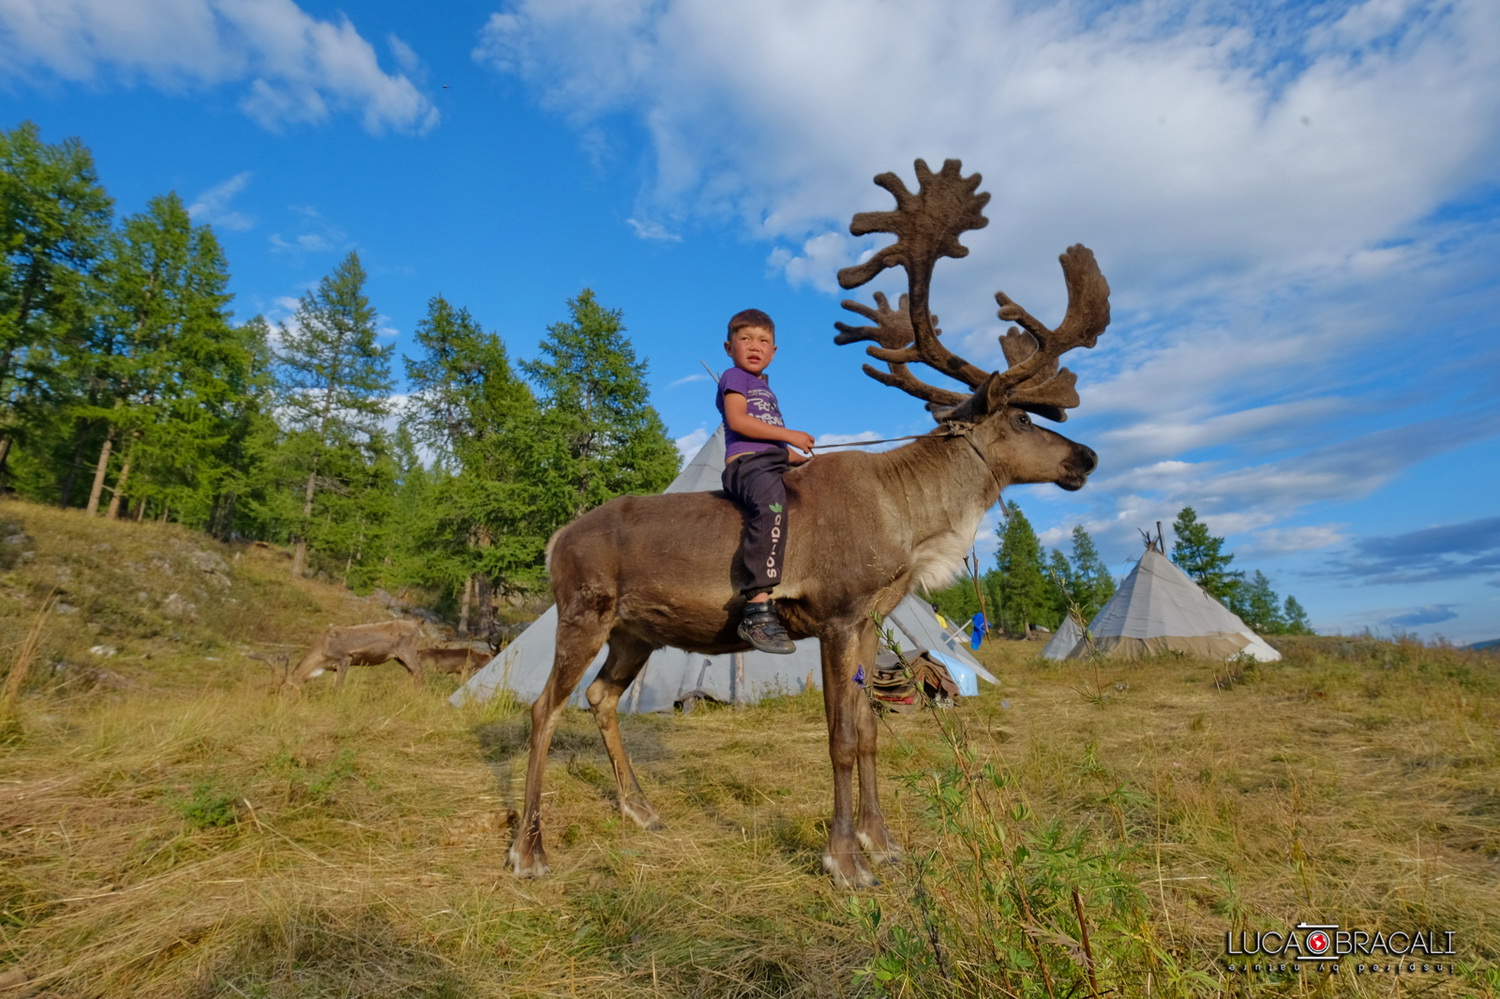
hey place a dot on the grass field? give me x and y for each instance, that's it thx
(171, 826)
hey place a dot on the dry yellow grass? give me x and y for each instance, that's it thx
(186, 832)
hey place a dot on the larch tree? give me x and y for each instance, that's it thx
(335, 383)
(54, 223)
(247, 413)
(1199, 554)
(1092, 583)
(1060, 587)
(608, 440)
(1023, 586)
(469, 408)
(1295, 617)
(1259, 606)
(168, 363)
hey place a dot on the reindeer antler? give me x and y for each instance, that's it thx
(893, 332)
(1034, 379)
(927, 225)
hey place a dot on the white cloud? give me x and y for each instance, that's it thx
(315, 234)
(295, 68)
(816, 264)
(213, 205)
(688, 445)
(652, 231)
(1144, 126)
(1283, 541)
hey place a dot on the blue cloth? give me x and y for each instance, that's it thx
(760, 402)
(962, 673)
(980, 627)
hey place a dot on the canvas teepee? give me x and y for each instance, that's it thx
(1159, 608)
(672, 676)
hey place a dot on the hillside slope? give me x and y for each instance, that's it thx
(155, 604)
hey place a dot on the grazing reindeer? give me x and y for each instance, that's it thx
(363, 645)
(641, 572)
(460, 661)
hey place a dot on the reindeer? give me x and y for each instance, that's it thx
(460, 661)
(363, 645)
(642, 572)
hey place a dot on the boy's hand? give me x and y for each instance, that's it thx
(801, 440)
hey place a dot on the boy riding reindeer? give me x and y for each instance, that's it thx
(643, 572)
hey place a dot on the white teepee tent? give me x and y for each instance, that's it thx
(1063, 640)
(1160, 608)
(672, 676)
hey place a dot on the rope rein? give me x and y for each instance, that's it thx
(964, 430)
(883, 440)
(951, 430)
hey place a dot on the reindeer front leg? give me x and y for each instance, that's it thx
(841, 643)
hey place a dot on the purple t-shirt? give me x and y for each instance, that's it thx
(760, 402)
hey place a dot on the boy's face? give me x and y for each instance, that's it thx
(751, 348)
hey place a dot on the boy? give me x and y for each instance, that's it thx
(755, 458)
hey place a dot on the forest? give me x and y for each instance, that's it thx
(129, 389)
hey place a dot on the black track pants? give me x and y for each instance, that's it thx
(755, 481)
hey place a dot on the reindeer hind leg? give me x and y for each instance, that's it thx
(627, 654)
(578, 641)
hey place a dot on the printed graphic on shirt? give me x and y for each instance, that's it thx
(761, 404)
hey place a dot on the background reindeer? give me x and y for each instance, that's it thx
(642, 572)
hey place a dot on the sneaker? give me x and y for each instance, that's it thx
(763, 629)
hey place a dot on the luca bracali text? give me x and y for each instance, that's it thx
(1328, 949)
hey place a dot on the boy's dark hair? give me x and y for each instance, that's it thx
(750, 317)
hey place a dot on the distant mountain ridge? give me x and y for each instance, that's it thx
(1491, 644)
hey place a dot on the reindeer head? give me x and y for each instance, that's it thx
(927, 225)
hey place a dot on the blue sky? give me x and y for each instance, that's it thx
(1297, 207)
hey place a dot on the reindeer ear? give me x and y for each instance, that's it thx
(988, 398)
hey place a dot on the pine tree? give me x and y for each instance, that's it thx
(1023, 588)
(54, 221)
(1092, 583)
(1200, 555)
(610, 441)
(335, 381)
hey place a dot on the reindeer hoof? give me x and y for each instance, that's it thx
(531, 866)
(642, 814)
(881, 849)
(849, 874)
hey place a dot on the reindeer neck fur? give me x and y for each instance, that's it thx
(945, 487)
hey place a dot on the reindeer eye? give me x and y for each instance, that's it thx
(1024, 420)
